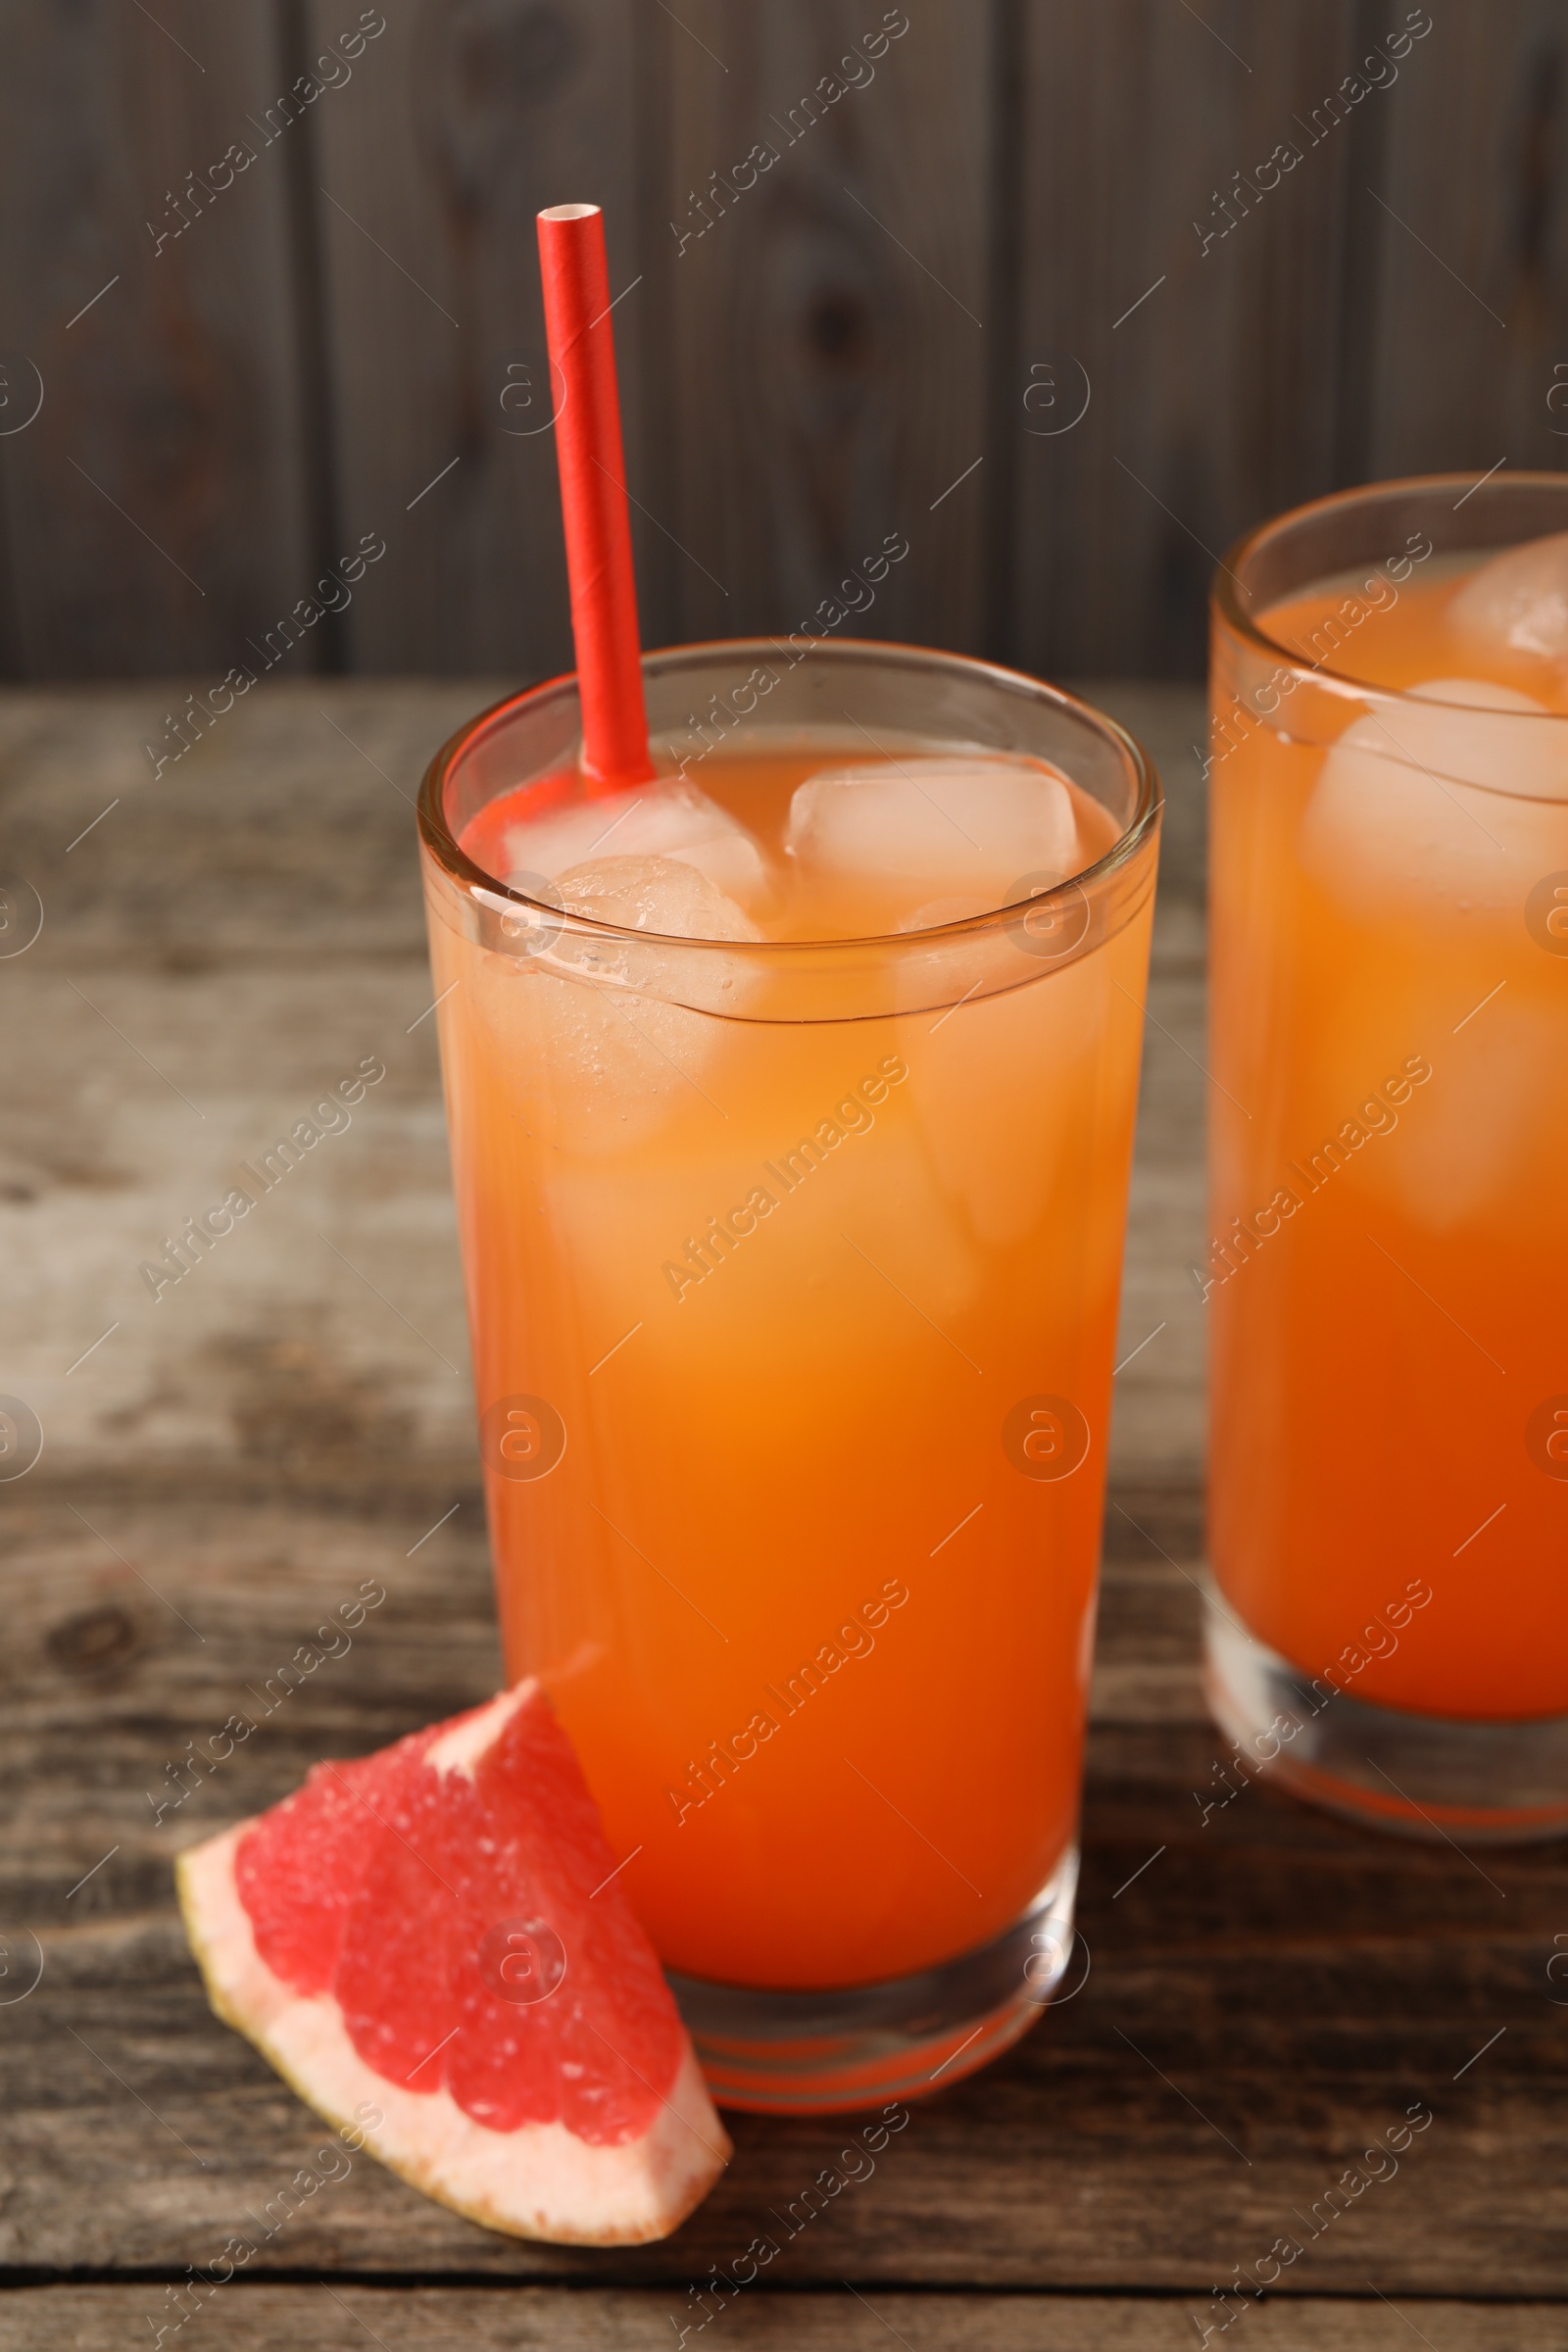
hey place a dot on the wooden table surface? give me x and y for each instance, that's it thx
(1268, 1990)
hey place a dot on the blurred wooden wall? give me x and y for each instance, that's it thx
(1001, 215)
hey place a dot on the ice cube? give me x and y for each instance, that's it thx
(1000, 1151)
(602, 1040)
(1476, 1142)
(670, 902)
(667, 820)
(1518, 603)
(1423, 804)
(666, 896)
(942, 825)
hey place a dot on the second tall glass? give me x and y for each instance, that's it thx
(1386, 1267)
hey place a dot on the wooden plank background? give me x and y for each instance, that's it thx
(1001, 212)
(413, 2319)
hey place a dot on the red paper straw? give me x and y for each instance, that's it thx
(593, 494)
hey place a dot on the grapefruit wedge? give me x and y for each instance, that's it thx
(435, 1936)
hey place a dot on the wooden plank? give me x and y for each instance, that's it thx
(237, 1473)
(831, 317)
(274, 872)
(1471, 258)
(1267, 1993)
(164, 1614)
(1212, 364)
(155, 508)
(215, 953)
(298, 2319)
(464, 121)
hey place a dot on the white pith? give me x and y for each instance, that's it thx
(538, 2181)
(470, 1740)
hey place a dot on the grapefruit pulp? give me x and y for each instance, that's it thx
(437, 1933)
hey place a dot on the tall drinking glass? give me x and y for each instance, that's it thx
(791, 1271)
(1389, 1253)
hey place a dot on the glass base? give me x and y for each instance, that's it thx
(1420, 1776)
(831, 2052)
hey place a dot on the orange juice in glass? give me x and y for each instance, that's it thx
(791, 1103)
(1389, 1457)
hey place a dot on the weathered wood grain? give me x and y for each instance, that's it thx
(1286, 1985)
(465, 121)
(805, 373)
(408, 2318)
(223, 945)
(161, 1615)
(832, 330)
(1267, 1988)
(1471, 261)
(156, 510)
(1212, 364)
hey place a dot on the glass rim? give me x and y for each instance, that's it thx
(437, 837)
(1227, 588)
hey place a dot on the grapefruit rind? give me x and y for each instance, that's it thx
(539, 2181)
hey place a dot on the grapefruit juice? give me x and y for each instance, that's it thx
(793, 1256)
(1388, 1487)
